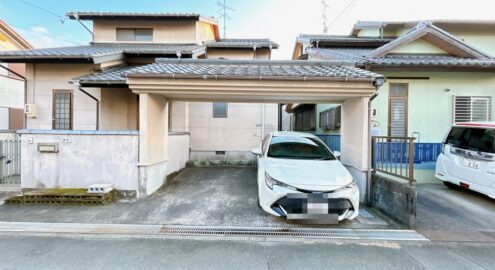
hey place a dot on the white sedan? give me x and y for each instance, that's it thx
(299, 177)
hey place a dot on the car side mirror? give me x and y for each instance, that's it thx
(256, 151)
(337, 154)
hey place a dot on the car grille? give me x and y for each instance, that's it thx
(299, 205)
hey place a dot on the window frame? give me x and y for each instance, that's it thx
(470, 99)
(134, 34)
(226, 115)
(305, 119)
(54, 108)
(405, 98)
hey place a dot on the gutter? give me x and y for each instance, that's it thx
(79, 87)
(25, 89)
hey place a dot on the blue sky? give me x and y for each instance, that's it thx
(281, 20)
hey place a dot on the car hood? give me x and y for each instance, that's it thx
(317, 175)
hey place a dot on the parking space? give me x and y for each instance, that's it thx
(441, 208)
(213, 196)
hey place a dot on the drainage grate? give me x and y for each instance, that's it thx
(214, 231)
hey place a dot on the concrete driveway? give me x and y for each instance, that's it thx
(211, 196)
(441, 208)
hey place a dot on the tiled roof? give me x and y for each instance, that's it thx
(253, 69)
(89, 53)
(92, 15)
(361, 56)
(344, 40)
(243, 43)
(114, 76)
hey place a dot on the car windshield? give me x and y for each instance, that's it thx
(298, 148)
(476, 139)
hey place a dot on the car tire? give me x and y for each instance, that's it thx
(451, 185)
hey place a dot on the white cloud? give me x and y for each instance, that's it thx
(40, 37)
(39, 29)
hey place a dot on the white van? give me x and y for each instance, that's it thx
(468, 158)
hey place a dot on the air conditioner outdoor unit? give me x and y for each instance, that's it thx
(30, 110)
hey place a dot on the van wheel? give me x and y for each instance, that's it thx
(451, 185)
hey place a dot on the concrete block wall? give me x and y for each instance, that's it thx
(395, 198)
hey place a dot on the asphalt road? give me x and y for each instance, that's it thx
(22, 252)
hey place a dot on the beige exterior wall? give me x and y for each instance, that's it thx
(240, 54)
(204, 32)
(418, 46)
(163, 32)
(119, 109)
(239, 132)
(44, 78)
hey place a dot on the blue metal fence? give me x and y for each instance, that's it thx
(332, 141)
(423, 152)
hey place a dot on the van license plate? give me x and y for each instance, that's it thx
(471, 163)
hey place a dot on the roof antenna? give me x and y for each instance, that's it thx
(224, 10)
(324, 16)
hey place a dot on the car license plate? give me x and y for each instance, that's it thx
(474, 164)
(317, 208)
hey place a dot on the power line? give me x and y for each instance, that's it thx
(345, 10)
(223, 10)
(60, 18)
(47, 35)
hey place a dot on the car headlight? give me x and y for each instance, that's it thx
(270, 182)
(352, 186)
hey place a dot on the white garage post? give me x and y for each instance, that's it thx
(354, 140)
(153, 142)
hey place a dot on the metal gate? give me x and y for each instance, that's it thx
(10, 162)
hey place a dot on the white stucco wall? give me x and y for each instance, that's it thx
(236, 135)
(178, 148)
(91, 157)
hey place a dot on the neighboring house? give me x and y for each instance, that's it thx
(62, 98)
(11, 84)
(438, 73)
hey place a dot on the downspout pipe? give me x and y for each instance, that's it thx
(80, 88)
(377, 83)
(25, 89)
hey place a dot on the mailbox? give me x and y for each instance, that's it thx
(48, 147)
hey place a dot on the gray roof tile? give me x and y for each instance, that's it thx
(98, 50)
(243, 43)
(93, 15)
(361, 56)
(297, 70)
(110, 76)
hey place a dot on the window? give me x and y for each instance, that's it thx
(220, 109)
(305, 118)
(397, 110)
(131, 34)
(480, 139)
(469, 108)
(330, 119)
(62, 109)
(293, 147)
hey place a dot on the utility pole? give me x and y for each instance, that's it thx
(224, 10)
(324, 16)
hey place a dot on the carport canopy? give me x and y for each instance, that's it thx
(254, 81)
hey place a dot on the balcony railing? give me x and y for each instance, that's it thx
(394, 156)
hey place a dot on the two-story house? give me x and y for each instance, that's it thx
(438, 73)
(59, 97)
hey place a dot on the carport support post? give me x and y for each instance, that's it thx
(354, 141)
(153, 146)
